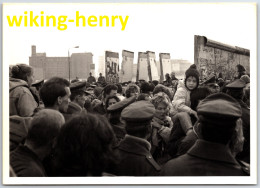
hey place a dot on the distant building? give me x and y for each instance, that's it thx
(101, 65)
(46, 67)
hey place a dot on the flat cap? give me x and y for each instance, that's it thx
(138, 111)
(80, 85)
(119, 106)
(236, 84)
(210, 80)
(219, 105)
(38, 82)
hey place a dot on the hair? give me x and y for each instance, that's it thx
(84, 146)
(145, 87)
(52, 89)
(112, 97)
(75, 93)
(131, 88)
(245, 78)
(21, 71)
(157, 99)
(217, 130)
(45, 127)
(162, 88)
(155, 82)
(108, 89)
(119, 88)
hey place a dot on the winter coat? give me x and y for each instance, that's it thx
(181, 101)
(22, 102)
(160, 138)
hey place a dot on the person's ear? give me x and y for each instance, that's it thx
(59, 100)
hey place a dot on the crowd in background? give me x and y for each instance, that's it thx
(187, 127)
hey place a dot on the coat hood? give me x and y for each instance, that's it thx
(13, 83)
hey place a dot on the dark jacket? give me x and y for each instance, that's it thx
(91, 79)
(101, 79)
(135, 158)
(99, 108)
(205, 159)
(26, 163)
(245, 154)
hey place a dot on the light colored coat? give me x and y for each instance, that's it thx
(181, 101)
(22, 102)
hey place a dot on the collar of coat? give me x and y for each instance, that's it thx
(212, 151)
(75, 107)
(136, 145)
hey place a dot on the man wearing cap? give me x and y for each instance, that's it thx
(134, 149)
(220, 136)
(77, 97)
(109, 91)
(114, 117)
(236, 90)
(101, 78)
(91, 79)
(211, 84)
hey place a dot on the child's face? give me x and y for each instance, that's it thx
(191, 82)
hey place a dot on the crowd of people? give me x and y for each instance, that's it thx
(189, 127)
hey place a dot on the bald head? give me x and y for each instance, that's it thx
(45, 127)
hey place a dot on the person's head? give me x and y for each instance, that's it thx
(245, 78)
(240, 71)
(55, 93)
(192, 78)
(79, 97)
(132, 90)
(155, 82)
(161, 105)
(162, 88)
(84, 146)
(145, 88)
(111, 100)
(79, 93)
(44, 128)
(119, 88)
(218, 115)
(90, 74)
(167, 76)
(114, 111)
(23, 72)
(109, 91)
(213, 88)
(137, 117)
(172, 74)
(100, 74)
(235, 89)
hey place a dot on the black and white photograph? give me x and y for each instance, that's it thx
(129, 93)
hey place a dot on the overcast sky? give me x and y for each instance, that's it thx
(162, 28)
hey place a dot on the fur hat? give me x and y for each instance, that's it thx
(240, 68)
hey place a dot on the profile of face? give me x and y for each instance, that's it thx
(64, 101)
(191, 82)
(112, 93)
(161, 111)
(214, 88)
(30, 79)
(111, 102)
(134, 92)
(81, 100)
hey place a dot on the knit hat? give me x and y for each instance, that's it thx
(192, 71)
